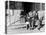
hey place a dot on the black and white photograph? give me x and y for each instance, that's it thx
(24, 17)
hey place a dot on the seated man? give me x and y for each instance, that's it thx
(29, 19)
